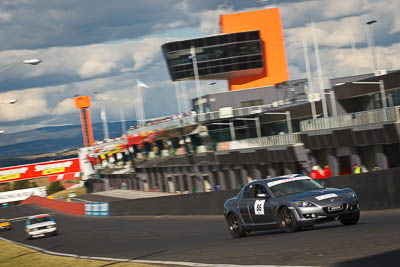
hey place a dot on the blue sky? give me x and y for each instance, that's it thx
(99, 48)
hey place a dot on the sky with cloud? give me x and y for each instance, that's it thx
(100, 47)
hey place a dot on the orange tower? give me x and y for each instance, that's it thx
(83, 103)
(268, 22)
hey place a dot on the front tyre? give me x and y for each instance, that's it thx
(235, 226)
(287, 221)
(351, 220)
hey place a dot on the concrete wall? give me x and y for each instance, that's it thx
(208, 203)
(68, 207)
(376, 190)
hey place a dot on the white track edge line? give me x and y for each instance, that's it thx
(191, 264)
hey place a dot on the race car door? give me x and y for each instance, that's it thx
(248, 193)
(260, 207)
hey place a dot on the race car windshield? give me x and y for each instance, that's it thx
(295, 187)
(39, 220)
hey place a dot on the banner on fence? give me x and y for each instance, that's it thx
(97, 209)
(18, 195)
(37, 170)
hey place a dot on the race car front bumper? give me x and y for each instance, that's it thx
(42, 232)
(307, 216)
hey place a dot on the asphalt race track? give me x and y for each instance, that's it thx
(375, 241)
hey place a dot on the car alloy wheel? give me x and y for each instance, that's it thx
(235, 226)
(287, 221)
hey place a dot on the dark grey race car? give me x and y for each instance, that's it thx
(290, 203)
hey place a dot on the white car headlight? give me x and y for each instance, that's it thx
(352, 194)
(304, 204)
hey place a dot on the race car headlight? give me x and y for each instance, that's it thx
(352, 194)
(304, 204)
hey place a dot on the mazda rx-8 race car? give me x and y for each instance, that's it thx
(288, 202)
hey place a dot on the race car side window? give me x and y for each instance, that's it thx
(248, 191)
(259, 189)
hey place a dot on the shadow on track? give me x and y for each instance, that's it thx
(304, 229)
(385, 259)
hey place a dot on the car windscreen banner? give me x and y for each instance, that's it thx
(38, 170)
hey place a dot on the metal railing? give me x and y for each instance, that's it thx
(266, 141)
(237, 112)
(354, 119)
(173, 123)
(202, 117)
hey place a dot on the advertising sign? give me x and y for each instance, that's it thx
(37, 170)
(18, 195)
(97, 209)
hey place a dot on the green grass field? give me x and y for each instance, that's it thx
(64, 194)
(12, 255)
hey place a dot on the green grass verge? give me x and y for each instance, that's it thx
(64, 194)
(12, 255)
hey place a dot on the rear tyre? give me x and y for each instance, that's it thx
(235, 226)
(287, 221)
(351, 220)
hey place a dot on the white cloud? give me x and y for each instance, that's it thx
(66, 106)
(88, 61)
(30, 103)
(169, 26)
(146, 51)
(301, 13)
(4, 16)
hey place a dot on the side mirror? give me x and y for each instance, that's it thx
(323, 183)
(261, 195)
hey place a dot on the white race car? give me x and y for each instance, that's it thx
(40, 225)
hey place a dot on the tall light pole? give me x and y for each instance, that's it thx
(10, 101)
(320, 72)
(140, 105)
(371, 43)
(178, 98)
(33, 61)
(196, 77)
(309, 78)
(123, 125)
(105, 124)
